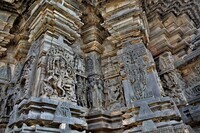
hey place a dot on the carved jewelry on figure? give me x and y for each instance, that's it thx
(59, 81)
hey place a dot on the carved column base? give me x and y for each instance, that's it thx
(45, 115)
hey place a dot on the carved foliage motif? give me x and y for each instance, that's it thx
(59, 81)
(134, 70)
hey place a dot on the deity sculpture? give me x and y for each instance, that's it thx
(95, 96)
(59, 81)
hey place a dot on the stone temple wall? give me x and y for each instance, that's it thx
(99, 66)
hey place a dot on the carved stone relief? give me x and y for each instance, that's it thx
(114, 93)
(5, 72)
(192, 79)
(7, 100)
(81, 91)
(172, 84)
(134, 70)
(24, 82)
(63, 110)
(171, 79)
(91, 62)
(79, 64)
(192, 93)
(95, 93)
(60, 76)
(166, 62)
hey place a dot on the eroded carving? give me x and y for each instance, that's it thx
(24, 82)
(63, 110)
(114, 93)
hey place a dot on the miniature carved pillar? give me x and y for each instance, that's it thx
(129, 32)
(92, 38)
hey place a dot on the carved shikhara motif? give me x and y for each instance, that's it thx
(60, 76)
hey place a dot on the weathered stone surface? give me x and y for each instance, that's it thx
(99, 66)
(53, 112)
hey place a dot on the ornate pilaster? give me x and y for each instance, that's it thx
(93, 36)
(48, 76)
(99, 66)
(127, 25)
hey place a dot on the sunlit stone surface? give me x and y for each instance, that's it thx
(99, 66)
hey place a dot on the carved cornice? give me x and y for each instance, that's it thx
(57, 17)
(123, 19)
(177, 7)
(93, 34)
(172, 34)
(10, 10)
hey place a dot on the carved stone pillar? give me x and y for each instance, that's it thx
(92, 35)
(129, 33)
(127, 25)
(48, 74)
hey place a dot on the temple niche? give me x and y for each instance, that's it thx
(99, 66)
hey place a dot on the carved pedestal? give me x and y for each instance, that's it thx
(45, 115)
(154, 115)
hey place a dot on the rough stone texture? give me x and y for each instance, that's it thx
(99, 66)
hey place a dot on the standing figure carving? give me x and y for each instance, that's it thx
(59, 82)
(95, 93)
(81, 90)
